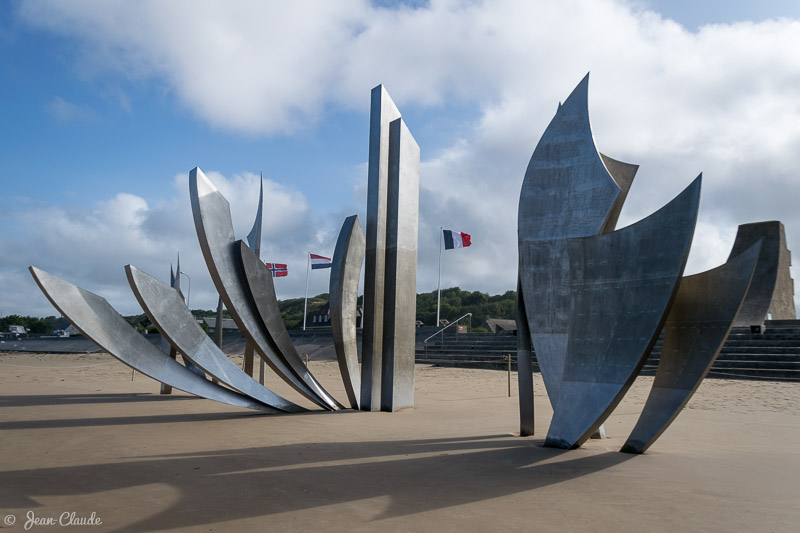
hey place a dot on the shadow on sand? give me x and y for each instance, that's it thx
(37, 400)
(416, 475)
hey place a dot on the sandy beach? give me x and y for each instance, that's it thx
(78, 435)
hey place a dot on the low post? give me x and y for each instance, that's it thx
(509, 375)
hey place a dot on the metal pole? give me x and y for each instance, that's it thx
(305, 305)
(509, 375)
(439, 286)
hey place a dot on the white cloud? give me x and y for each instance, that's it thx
(722, 100)
(90, 247)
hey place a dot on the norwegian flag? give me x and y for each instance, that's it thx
(279, 270)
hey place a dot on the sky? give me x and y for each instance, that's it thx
(106, 106)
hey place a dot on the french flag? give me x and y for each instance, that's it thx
(279, 270)
(317, 261)
(456, 239)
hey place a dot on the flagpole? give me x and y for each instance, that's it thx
(305, 306)
(439, 287)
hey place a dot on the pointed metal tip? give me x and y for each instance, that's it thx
(42, 278)
(696, 184)
(200, 181)
(579, 95)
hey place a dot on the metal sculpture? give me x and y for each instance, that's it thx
(97, 320)
(623, 175)
(392, 215)
(165, 308)
(254, 240)
(345, 273)
(400, 289)
(524, 368)
(259, 281)
(696, 328)
(569, 190)
(212, 219)
(621, 286)
(382, 112)
(771, 293)
(175, 283)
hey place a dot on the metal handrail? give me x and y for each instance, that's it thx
(425, 342)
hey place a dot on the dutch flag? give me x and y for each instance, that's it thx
(456, 239)
(317, 261)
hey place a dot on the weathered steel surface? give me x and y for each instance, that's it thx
(524, 367)
(621, 286)
(623, 174)
(697, 325)
(175, 283)
(166, 310)
(173, 353)
(212, 219)
(97, 320)
(772, 289)
(254, 240)
(218, 324)
(258, 279)
(345, 273)
(254, 237)
(400, 296)
(569, 190)
(382, 112)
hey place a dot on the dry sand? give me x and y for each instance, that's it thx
(77, 435)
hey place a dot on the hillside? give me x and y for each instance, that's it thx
(455, 303)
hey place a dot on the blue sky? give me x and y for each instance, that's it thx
(107, 106)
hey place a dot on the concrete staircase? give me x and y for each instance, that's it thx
(772, 355)
(471, 350)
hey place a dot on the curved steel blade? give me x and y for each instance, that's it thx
(621, 287)
(212, 220)
(166, 310)
(569, 190)
(96, 319)
(259, 279)
(697, 325)
(345, 273)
